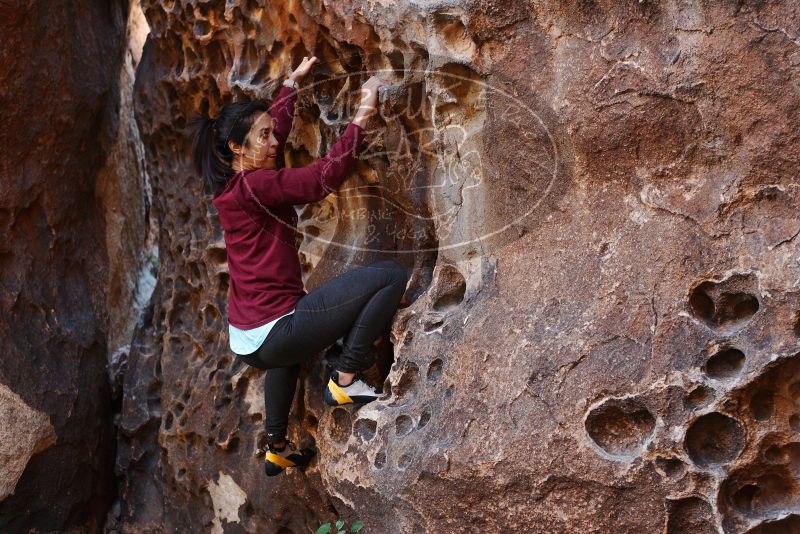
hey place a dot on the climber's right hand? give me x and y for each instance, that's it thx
(369, 93)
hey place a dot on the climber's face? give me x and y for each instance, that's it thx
(260, 147)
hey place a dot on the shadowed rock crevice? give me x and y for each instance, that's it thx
(72, 230)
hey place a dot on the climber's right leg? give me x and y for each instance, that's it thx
(356, 305)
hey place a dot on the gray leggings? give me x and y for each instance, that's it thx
(357, 304)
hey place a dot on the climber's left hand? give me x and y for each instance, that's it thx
(303, 68)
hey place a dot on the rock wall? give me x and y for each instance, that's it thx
(598, 204)
(59, 95)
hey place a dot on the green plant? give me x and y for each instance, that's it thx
(326, 528)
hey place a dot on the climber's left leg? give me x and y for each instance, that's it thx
(280, 384)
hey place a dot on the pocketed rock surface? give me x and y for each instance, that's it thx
(598, 205)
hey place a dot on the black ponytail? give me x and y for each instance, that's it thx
(211, 155)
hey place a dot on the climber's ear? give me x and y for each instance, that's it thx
(235, 147)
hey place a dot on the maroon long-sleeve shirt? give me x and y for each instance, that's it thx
(259, 221)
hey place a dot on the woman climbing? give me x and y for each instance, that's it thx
(274, 324)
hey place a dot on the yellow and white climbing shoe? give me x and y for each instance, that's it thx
(276, 460)
(358, 391)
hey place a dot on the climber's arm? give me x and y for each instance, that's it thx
(282, 113)
(312, 182)
(282, 109)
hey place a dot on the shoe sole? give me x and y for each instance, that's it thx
(274, 464)
(336, 396)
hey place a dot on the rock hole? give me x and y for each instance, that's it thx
(195, 271)
(424, 418)
(725, 364)
(311, 230)
(311, 421)
(435, 371)
(699, 397)
(365, 428)
(794, 422)
(397, 60)
(726, 304)
(670, 467)
(216, 56)
(792, 452)
(261, 443)
(432, 322)
(448, 288)
(762, 405)
(794, 392)
(217, 255)
(788, 525)
(211, 315)
(340, 425)
(220, 401)
(247, 511)
(620, 426)
(224, 281)
(462, 93)
(702, 305)
(380, 460)
(714, 439)
(775, 455)
(769, 494)
(453, 32)
(406, 385)
(168, 420)
(404, 460)
(691, 515)
(403, 425)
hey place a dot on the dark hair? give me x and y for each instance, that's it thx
(211, 155)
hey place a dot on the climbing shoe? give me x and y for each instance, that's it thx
(358, 391)
(278, 459)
